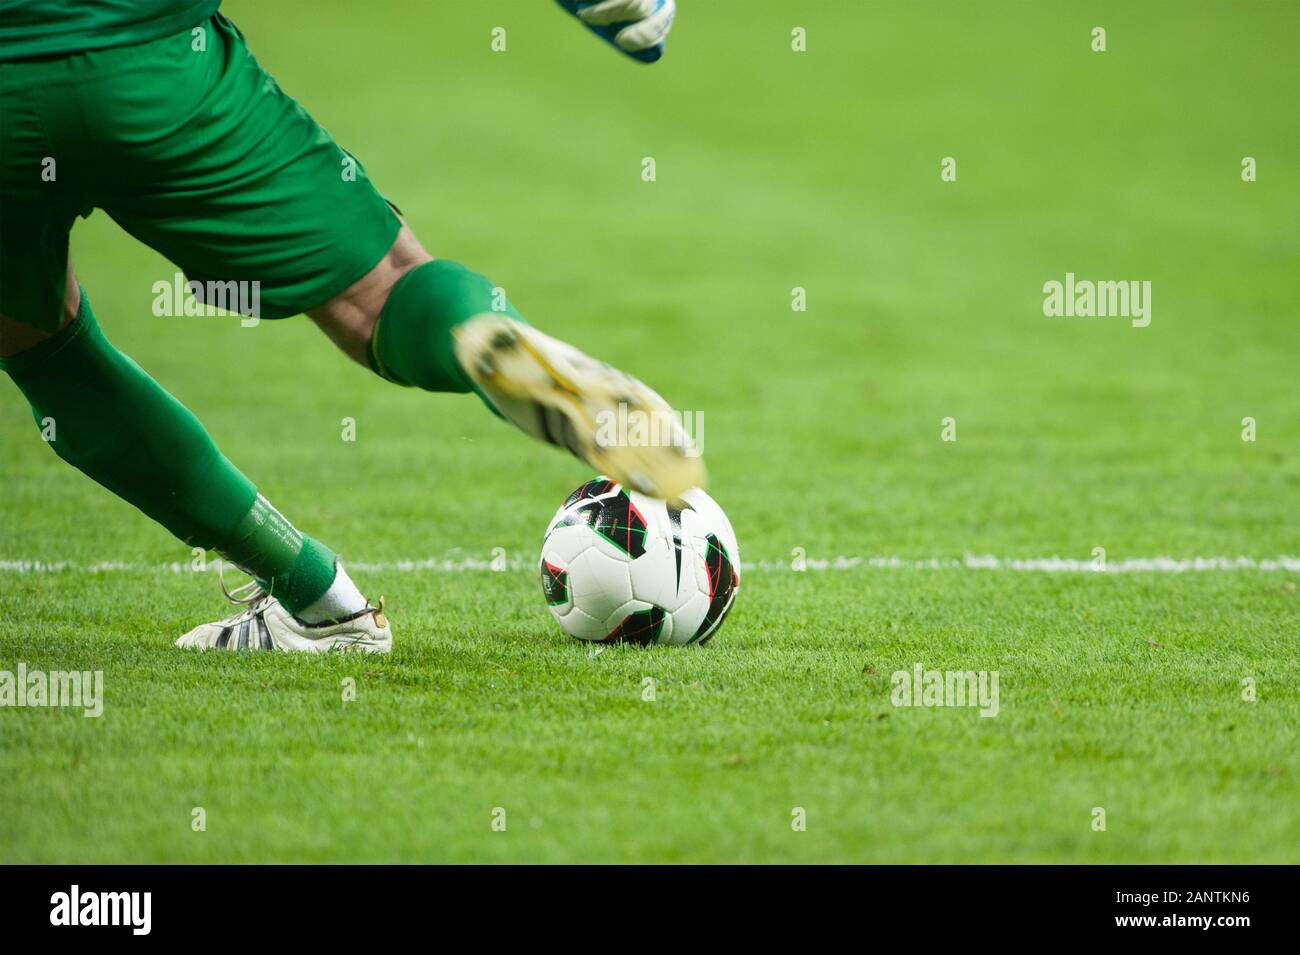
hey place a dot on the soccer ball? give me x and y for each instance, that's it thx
(621, 567)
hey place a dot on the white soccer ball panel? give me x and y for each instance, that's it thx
(578, 623)
(654, 574)
(687, 619)
(564, 544)
(598, 583)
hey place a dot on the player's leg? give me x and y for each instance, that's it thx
(106, 417)
(439, 326)
(112, 420)
(99, 411)
(17, 337)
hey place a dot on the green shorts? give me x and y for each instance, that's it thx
(191, 147)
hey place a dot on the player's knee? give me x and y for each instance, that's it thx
(349, 319)
(16, 337)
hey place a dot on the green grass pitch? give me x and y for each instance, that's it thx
(821, 170)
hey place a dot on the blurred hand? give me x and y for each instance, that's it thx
(637, 27)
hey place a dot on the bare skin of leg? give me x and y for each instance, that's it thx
(349, 318)
(15, 337)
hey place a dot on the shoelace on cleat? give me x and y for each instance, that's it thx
(247, 593)
(245, 629)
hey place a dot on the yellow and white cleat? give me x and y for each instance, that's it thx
(557, 394)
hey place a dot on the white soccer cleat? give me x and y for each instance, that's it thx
(559, 395)
(263, 624)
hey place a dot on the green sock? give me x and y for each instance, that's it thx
(110, 420)
(412, 342)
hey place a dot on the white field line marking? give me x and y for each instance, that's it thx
(463, 565)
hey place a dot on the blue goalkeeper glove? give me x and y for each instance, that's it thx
(637, 27)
